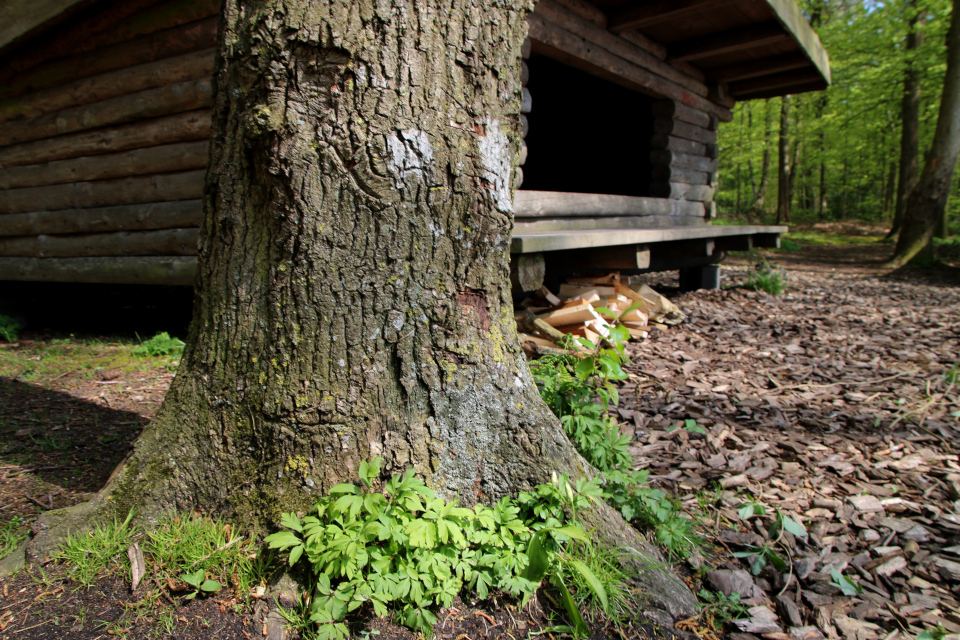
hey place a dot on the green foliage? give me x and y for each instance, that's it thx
(769, 280)
(12, 533)
(722, 607)
(9, 328)
(846, 585)
(98, 550)
(159, 345)
(201, 585)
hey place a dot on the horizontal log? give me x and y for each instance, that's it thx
(526, 104)
(652, 47)
(190, 66)
(168, 186)
(528, 226)
(181, 127)
(761, 67)
(170, 270)
(665, 173)
(678, 111)
(626, 256)
(122, 21)
(150, 215)
(523, 154)
(657, 12)
(682, 191)
(524, 125)
(166, 242)
(175, 98)
(817, 85)
(524, 72)
(558, 43)
(559, 204)
(682, 145)
(167, 158)
(683, 160)
(573, 23)
(739, 39)
(680, 129)
(519, 177)
(163, 44)
(586, 10)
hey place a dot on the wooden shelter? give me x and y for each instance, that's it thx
(105, 124)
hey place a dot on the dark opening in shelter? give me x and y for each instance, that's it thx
(587, 134)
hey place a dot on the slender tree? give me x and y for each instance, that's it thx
(928, 200)
(784, 174)
(760, 197)
(353, 295)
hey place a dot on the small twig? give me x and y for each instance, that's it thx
(163, 593)
(222, 547)
(36, 502)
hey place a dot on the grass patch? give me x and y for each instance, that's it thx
(9, 328)
(98, 551)
(159, 345)
(768, 280)
(12, 534)
(819, 238)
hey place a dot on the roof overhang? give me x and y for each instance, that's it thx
(20, 19)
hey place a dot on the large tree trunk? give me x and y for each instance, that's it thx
(353, 294)
(784, 175)
(926, 204)
(910, 120)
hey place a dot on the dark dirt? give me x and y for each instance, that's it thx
(823, 368)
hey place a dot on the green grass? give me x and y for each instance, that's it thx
(819, 238)
(12, 534)
(770, 281)
(9, 328)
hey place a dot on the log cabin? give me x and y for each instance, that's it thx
(105, 120)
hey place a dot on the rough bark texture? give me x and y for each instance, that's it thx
(926, 203)
(910, 122)
(353, 294)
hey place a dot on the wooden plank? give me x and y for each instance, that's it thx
(166, 242)
(674, 109)
(558, 204)
(755, 35)
(544, 225)
(557, 240)
(696, 248)
(167, 158)
(182, 127)
(558, 15)
(175, 98)
(527, 271)
(662, 173)
(190, 66)
(761, 67)
(735, 243)
(168, 186)
(169, 270)
(163, 44)
(683, 160)
(684, 130)
(681, 191)
(652, 13)
(776, 81)
(150, 215)
(565, 46)
(789, 14)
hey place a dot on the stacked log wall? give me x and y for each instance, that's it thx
(104, 142)
(684, 154)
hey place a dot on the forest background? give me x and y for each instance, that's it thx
(836, 155)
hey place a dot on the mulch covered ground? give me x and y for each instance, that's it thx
(832, 404)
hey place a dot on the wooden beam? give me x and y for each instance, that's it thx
(776, 81)
(184, 96)
(565, 19)
(165, 242)
(663, 173)
(181, 127)
(167, 158)
(652, 47)
(606, 237)
(817, 85)
(789, 14)
(574, 50)
(657, 12)
(767, 240)
(149, 215)
(524, 226)
(587, 10)
(674, 109)
(761, 67)
(171, 270)
(696, 248)
(682, 145)
(739, 39)
(559, 204)
(628, 256)
(735, 243)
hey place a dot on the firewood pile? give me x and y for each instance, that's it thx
(586, 307)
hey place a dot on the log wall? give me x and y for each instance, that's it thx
(104, 141)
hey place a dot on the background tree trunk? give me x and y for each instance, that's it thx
(784, 186)
(353, 294)
(928, 200)
(910, 120)
(760, 199)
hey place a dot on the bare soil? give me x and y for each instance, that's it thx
(836, 390)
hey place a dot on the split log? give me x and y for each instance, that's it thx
(573, 23)
(181, 127)
(169, 186)
(105, 86)
(527, 272)
(151, 215)
(652, 47)
(524, 125)
(168, 43)
(151, 160)
(683, 160)
(681, 191)
(175, 98)
(666, 173)
(170, 270)
(680, 129)
(672, 109)
(166, 242)
(124, 21)
(539, 204)
(574, 50)
(519, 174)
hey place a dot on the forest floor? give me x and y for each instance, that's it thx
(834, 404)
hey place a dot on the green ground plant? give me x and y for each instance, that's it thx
(12, 533)
(9, 328)
(765, 278)
(159, 345)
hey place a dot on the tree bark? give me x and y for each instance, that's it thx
(910, 120)
(353, 292)
(784, 174)
(928, 200)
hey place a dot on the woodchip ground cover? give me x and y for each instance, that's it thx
(832, 404)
